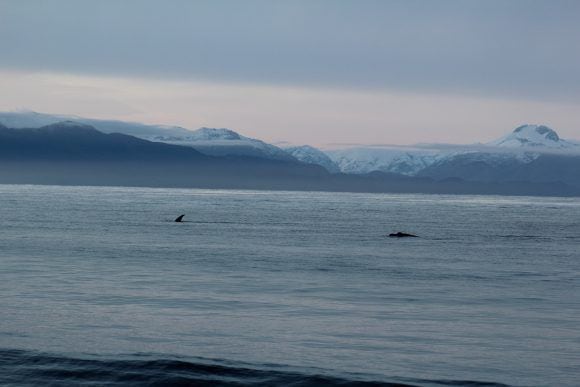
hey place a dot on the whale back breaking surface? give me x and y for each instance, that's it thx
(179, 219)
(402, 235)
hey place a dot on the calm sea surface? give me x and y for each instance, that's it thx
(100, 286)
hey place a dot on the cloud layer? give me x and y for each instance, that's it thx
(277, 113)
(509, 49)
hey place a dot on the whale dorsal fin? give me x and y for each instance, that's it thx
(180, 218)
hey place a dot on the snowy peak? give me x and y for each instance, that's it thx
(203, 135)
(366, 160)
(532, 136)
(225, 142)
(311, 155)
(547, 133)
(209, 134)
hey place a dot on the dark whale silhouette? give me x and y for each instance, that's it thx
(402, 235)
(180, 218)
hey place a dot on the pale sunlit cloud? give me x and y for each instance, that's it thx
(318, 116)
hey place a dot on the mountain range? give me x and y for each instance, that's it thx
(532, 159)
(532, 153)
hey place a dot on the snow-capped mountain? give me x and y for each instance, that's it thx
(30, 119)
(524, 145)
(553, 168)
(530, 152)
(224, 142)
(310, 155)
(216, 142)
(533, 153)
(394, 160)
(533, 137)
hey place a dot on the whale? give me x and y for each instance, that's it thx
(402, 235)
(179, 219)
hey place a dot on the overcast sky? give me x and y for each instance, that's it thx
(300, 71)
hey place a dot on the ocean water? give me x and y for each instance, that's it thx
(98, 286)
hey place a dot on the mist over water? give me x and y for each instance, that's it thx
(279, 287)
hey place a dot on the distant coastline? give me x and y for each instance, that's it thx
(73, 153)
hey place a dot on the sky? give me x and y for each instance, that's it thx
(300, 71)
